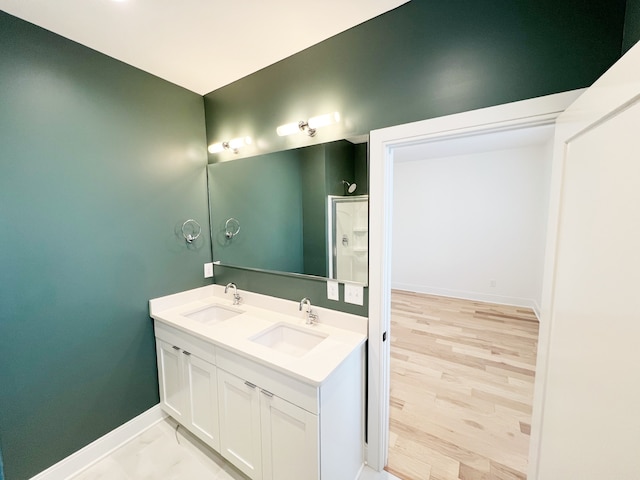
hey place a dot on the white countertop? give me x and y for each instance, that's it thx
(259, 313)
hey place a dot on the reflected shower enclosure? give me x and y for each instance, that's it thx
(348, 238)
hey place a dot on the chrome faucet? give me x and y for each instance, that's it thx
(236, 297)
(311, 317)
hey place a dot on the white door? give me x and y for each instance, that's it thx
(202, 386)
(173, 398)
(240, 437)
(587, 414)
(289, 440)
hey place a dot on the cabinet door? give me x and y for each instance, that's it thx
(202, 392)
(289, 440)
(239, 404)
(170, 377)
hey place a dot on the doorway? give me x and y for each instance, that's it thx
(385, 144)
(468, 248)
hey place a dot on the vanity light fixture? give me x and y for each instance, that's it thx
(232, 145)
(310, 126)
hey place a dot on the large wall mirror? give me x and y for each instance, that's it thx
(302, 211)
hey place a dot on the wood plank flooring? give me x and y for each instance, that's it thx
(462, 377)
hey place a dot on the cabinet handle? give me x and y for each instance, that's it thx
(267, 393)
(176, 348)
(249, 384)
(186, 353)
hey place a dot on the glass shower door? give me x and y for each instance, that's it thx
(349, 238)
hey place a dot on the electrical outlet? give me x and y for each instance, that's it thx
(353, 294)
(492, 283)
(208, 270)
(333, 290)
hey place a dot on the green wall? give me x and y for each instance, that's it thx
(631, 25)
(361, 169)
(100, 164)
(289, 286)
(424, 59)
(314, 221)
(340, 166)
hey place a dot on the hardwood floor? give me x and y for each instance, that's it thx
(462, 377)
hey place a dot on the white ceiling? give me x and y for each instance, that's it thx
(201, 45)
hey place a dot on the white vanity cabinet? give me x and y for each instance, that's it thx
(239, 403)
(290, 437)
(189, 389)
(173, 394)
(263, 435)
(270, 423)
(281, 428)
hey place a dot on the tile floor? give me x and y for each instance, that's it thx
(157, 454)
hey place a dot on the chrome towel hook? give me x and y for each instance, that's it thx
(191, 230)
(231, 227)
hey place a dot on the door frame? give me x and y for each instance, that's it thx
(383, 142)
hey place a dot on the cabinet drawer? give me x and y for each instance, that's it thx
(190, 343)
(290, 389)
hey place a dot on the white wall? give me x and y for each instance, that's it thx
(461, 222)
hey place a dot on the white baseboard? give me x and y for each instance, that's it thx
(103, 446)
(370, 474)
(477, 296)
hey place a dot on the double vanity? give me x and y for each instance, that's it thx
(277, 392)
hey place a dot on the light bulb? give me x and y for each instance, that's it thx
(324, 120)
(216, 147)
(234, 145)
(288, 129)
(239, 142)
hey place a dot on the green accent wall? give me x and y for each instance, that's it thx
(100, 164)
(287, 286)
(361, 169)
(340, 157)
(631, 25)
(314, 218)
(422, 60)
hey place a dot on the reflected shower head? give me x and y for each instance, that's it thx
(349, 187)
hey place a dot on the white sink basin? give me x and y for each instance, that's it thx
(213, 314)
(289, 339)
